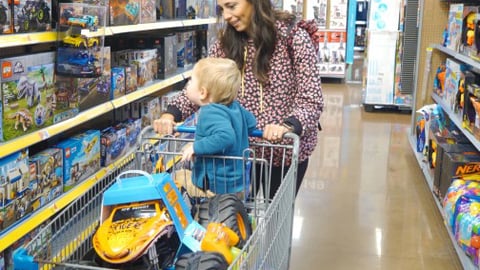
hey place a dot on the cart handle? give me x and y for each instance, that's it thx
(147, 175)
(184, 129)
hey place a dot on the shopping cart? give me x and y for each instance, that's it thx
(66, 241)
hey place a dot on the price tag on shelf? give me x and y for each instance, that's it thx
(43, 134)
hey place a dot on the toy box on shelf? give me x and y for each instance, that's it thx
(165, 9)
(32, 15)
(471, 105)
(125, 12)
(27, 89)
(66, 98)
(470, 21)
(201, 8)
(454, 27)
(81, 157)
(113, 144)
(80, 40)
(185, 48)
(6, 23)
(118, 82)
(46, 179)
(453, 77)
(14, 185)
(148, 12)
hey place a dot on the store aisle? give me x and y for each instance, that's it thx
(364, 203)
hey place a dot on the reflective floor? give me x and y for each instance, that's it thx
(364, 203)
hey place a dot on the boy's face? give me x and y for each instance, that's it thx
(195, 93)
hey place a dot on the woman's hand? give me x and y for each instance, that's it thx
(164, 125)
(274, 132)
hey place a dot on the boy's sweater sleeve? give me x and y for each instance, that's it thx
(218, 133)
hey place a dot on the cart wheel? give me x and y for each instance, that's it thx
(229, 210)
(201, 261)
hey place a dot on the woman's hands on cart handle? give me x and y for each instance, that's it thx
(165, 124)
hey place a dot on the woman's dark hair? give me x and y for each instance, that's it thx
(264, 37)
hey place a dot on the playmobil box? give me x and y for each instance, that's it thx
(81, 157)
(113, 144)
(46, 176)
(27, 88)
(124, 12)
(6, 22)
(32, 15)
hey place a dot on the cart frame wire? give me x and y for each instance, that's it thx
(67, 238)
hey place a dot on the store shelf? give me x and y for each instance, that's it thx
(456, 119)
(467, 264)
(27, 39)
(334, 76)
(11, 146)
(463, 58)
(150, 89)
(33, 220)
(14, 40)
(27, 140)
(159, 25)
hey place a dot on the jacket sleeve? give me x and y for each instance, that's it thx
(251, 120)
(309, 98)
(218, 133)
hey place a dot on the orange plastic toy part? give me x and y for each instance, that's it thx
(219, 238)
(129, 231)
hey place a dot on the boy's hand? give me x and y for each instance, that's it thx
(188, 152)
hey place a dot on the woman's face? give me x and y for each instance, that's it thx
(237, 13)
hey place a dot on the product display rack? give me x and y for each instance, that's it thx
(31, 221)
(433, 16)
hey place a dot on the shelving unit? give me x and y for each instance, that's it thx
(31, 221)
(432, 57)
(464, 260)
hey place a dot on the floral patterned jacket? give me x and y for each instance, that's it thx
(293, 93)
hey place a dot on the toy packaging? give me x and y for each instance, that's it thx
(185, 49)
(165, 9)
(338, 14)
(118, 82)
(439, 80)
(166, 55)
(81, 157)
(180, 9)
(46, 182)
(125, 12)
(130, 78)
(66, 98)
(470, 22)
(453, 76)
(456, 165)
(148, 13)
(32, 15)
(455, 16)
(80, 46)
(28, 93)
(96, 91)
(14, 183)
(113, 144)
(6, 23)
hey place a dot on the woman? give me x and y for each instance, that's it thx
(280, 78)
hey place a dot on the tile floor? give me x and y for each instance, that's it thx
(364, 203)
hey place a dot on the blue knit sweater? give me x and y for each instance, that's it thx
(221, 131)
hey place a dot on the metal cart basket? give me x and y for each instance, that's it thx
(66, 241)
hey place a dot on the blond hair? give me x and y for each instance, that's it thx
(220, 76)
